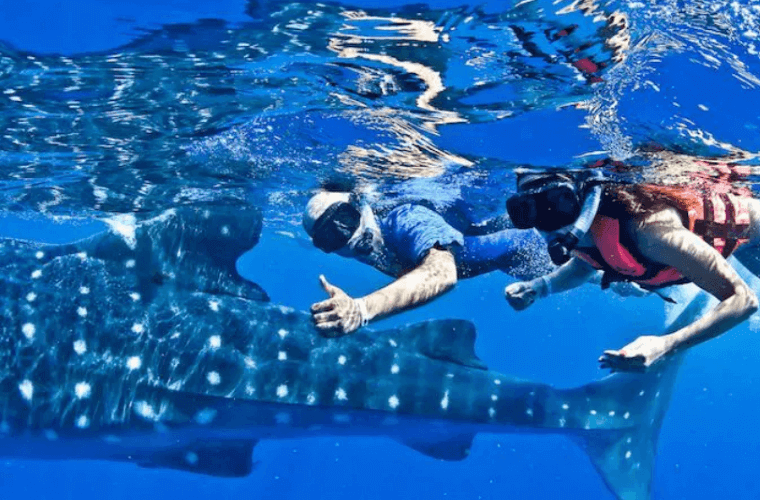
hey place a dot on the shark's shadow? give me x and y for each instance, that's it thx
(144, 344)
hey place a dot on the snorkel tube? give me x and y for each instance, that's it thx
(560, 247)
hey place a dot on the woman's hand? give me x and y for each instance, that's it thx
(636, 356)
(521, 295)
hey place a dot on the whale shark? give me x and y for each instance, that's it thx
(143, 344)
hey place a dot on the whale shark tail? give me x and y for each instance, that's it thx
(620, 435)
(625, 458)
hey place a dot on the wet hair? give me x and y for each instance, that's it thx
(637, 199)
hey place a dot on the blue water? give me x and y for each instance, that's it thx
(110, 107)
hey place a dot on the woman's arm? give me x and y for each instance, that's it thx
(572, 274)
(663, 238)
(341, 314)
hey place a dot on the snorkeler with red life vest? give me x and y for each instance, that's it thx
(649, 234)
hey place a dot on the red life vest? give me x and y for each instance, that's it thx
(721, 218)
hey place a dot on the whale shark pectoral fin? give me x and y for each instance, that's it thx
(450, 340)
(211, 458)
(453, 448)
(623, 447)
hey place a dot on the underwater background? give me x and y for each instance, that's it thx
(108, 108)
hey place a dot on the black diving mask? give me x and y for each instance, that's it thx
(335, 227)
(548, 207)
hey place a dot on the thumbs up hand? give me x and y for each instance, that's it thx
(338, 315)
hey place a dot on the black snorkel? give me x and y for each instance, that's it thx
(561, 246)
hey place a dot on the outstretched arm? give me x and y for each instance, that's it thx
(341, 314)
(664, 239)
(572, 274)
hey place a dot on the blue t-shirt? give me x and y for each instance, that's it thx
(410, 231)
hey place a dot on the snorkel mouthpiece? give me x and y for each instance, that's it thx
(560, 247)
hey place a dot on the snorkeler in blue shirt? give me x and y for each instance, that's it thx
(415, 245)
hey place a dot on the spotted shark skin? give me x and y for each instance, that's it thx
(143, 344)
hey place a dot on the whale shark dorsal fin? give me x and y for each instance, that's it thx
(450, 448)
(194, 248)
(219, 459)
(450, 340)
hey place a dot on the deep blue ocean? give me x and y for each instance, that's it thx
(110, 108)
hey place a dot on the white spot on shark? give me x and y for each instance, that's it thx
(36, 274)
(628, 454)
(340, 394)
(205, 416)
(282, 391)
(393, 402)
(562, 422)
(83, 422)
(497, 381)
(84, 290)
(130, 263)
(529, 412)
(311, 398)
(82, 311)
(27, 389)
(342, 418)
(626, 415)
(494, 397)
(282, 355)
(80, 347)
(249, 363)
(565, 406)
(641, 393)
(611, 413)
(394, 369)
(225, 230)
(341, 360)
(81, 255)
(134, 296)
(134, 363)
(40, 254)
(215, 342)
(83, 390)
(392, 343)
(50, 435)
(282, 333)
(111, 439)
(213, 305)
(138, 328)
(31, 296)
(28, 330)
(445, 401)
(283, 418)
(214, 378)
(593, 412)
(191, 458)
(492, 412)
